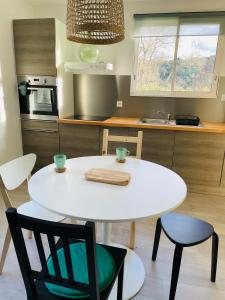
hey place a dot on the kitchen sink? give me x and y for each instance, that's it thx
(158, 121)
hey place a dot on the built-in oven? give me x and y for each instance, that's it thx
(38, 97)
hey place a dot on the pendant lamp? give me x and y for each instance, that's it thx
(99, 22)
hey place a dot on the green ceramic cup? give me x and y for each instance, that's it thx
(60, 161)
(121, 153)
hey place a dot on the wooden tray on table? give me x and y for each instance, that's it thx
(108, 176)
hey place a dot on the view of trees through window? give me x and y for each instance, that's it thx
(176, 63)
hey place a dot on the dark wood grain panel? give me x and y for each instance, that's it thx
(42, 125)
(157, 146)
(43, 144)
(79, 140)
(198, 157)
(34, 42)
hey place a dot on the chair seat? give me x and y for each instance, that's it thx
(32, 209)
(118, 256)
(186, 230)
(106, 270)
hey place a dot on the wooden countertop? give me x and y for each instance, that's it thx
(135, 123)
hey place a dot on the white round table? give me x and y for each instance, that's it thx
(153, 190)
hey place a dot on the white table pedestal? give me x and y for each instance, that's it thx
(134, 271)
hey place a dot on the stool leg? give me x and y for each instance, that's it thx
(132, 235)
(156, 239)
(175, 271)
(5, 249)
(215, 244)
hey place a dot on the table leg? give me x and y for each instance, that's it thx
(106, 233)
(134, 271)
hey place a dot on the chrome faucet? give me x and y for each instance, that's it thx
(163, 114)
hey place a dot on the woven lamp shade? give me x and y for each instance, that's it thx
(98, 22)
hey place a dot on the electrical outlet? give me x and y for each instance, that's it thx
(119, 103)
(223, 98)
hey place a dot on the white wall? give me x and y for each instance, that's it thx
(121, 54)
(64, 79)
(10, 131)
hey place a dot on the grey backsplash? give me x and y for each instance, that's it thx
(103, 91)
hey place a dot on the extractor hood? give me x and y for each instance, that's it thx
(99, 68)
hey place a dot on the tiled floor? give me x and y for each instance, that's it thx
(194, 282)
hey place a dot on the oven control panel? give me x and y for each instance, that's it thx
(38, 80)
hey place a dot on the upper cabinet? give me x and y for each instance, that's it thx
(35, 47)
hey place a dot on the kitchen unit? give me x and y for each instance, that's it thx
(79, 140)
(41, 138)
(195, 153)
(41, 48)
(44, 88)
(34, 41)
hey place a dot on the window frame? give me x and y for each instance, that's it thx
(172, 94)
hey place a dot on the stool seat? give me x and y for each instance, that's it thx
(186, 230)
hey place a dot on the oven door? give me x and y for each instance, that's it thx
(43, 101)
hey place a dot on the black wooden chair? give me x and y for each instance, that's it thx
(185, 231)
(45, 284)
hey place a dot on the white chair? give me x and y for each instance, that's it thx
(125, 139)
(12, 175)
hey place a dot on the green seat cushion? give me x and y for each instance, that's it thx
(106, 270)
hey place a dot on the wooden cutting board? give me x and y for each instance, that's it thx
(108, 176)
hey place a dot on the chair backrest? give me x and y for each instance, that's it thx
(53, 230)
(14, 173)
(125, 139)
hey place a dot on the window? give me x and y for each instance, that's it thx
(175, 56)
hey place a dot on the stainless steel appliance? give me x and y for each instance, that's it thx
(38, 97)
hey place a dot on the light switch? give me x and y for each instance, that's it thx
(119, 103)
(223, 98)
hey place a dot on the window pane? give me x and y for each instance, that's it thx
(155, 63)
(195, 63)
(199, 29)
(155, 26)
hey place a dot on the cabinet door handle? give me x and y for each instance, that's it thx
(36, 89)
(40, 130)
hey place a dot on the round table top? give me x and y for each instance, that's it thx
(152, 191)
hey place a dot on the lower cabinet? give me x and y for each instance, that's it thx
(198, 157)
(157, 146)
(79, 140)
(43, 143)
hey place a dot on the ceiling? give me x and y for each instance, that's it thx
(207, 5)
(38, 2)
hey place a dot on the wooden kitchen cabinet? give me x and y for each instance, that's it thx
(34, 42)
(157, 146)
(198, 157)
(44, 142)
(79, 140)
